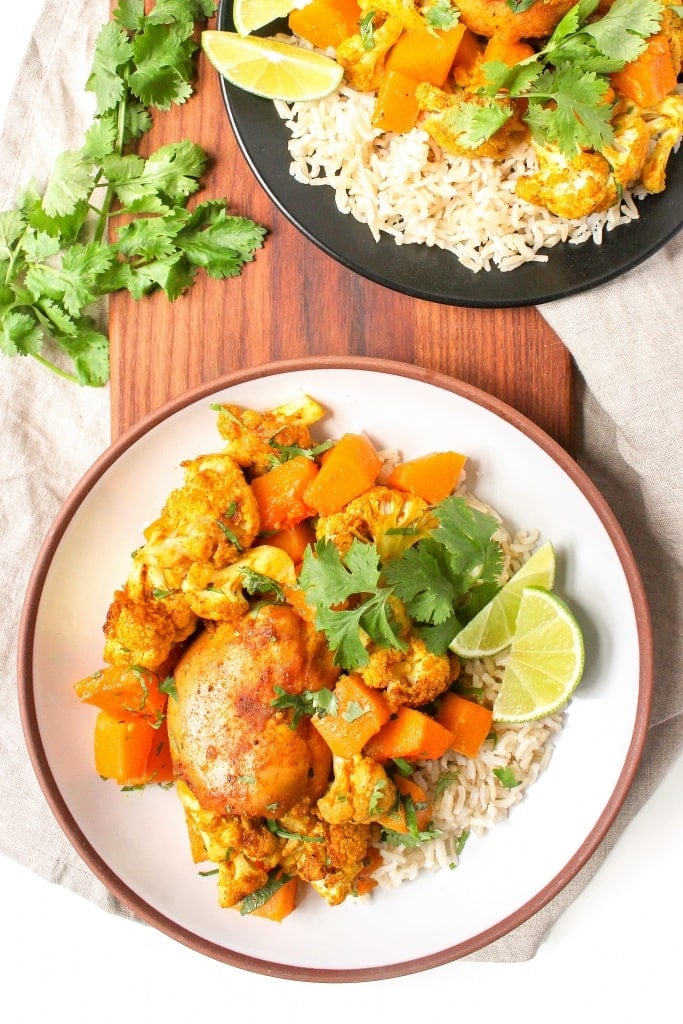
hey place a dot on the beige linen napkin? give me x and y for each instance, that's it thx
(624, 337)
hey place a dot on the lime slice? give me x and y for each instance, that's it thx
(249, 15)
(491, 629)
(269, 68)
(545, 662)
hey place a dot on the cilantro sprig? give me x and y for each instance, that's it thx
(56, 257)
(441, 581)
(565, 84)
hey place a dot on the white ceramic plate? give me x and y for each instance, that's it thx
(137, 843)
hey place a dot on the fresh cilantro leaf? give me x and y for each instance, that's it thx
(423, 578)
(310, 702)
(375, 801)
(507, 777)
(403, 766)
(577, 117)
(367, 30)
(445, 780)
(468, 535)
(519, 6)
(284, 833)
(353, 711)
(442, 14)
(54, 258)
(330, 580)
(113, 50)
(256, 899)
(461, 840)
(437, 638)
(21, 334)
(256, 583)
(168, 687)
(475, 123)
(71, 181)
(219, 243)
(285, 452)
(622, 31)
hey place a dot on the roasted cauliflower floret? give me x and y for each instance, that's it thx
(223, 594)
(254, 437)
(145, 631)
(211, 518)
(393, 520)
(413, 677)
(408, 12)
(439, 124)
(589, 182)
(331, 857)
(665, 131)
(362, 67)
(238, 877)
(361, 791)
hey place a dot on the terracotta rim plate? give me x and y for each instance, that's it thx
(429, 272)
(136, 843)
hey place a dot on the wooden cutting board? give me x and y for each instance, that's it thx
(294, 300)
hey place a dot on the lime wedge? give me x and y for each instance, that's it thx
(249, 15)
(492, 628)
(546, 659)
(270, 68)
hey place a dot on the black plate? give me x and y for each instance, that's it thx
(428, 272)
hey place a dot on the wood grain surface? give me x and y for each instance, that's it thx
(294, 300)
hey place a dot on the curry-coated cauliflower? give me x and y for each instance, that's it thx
(413, 677)
(360, 792)
(393, 520)
(254, 438)
(221, 595)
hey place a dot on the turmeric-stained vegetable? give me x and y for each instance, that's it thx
(293, 541)
(280, 904)
(347, 470)
(326, 22)
(396, 108)
(432, 477)
(397, 818)
(505, 50)
(159, 767)
(651, 76)
(425, 54)
(359, 714)
(124, 692)
(469, 723)
(280, 493)
(467, 57)
(410, 734)
(122, 748)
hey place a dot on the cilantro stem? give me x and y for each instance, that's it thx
(55, 369)
(105, 209)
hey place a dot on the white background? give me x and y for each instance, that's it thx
(613, 956)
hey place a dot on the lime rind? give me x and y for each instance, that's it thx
(546, 660)
(250, 15)
(491, 630)
(271, 68)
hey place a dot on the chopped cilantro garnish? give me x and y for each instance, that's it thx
(309, 702)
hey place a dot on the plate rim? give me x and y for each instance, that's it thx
(119, 888)
(534, 297)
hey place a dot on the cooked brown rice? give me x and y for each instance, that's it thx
(468, 797)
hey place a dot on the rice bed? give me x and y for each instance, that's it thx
(407, 187)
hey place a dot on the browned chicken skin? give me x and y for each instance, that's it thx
(236, 752)
(495, 18)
